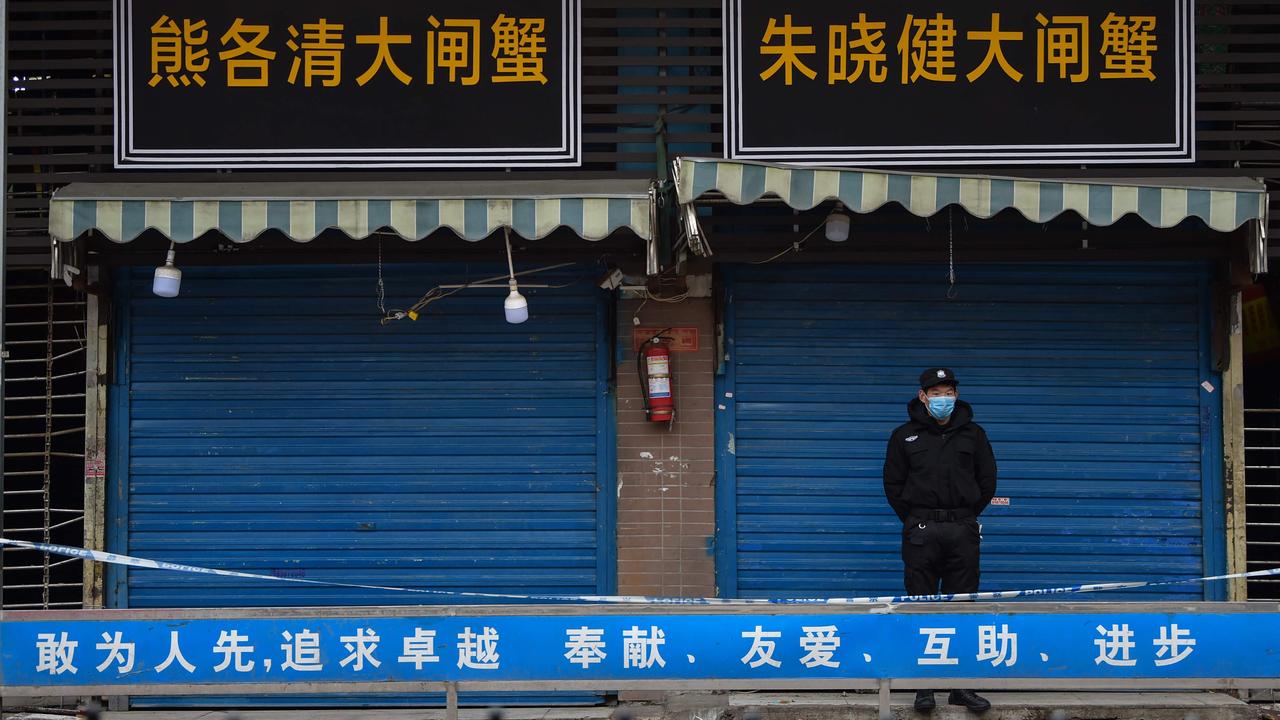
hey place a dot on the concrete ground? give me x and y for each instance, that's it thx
(1056, 706)
(1004, 706)
(792, 706)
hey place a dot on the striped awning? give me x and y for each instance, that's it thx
(1224, 204)
(244, 210)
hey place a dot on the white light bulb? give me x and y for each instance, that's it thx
(837, 226)
(516, 307)
(168, 279)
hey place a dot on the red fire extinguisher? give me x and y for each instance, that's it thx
(653, 363)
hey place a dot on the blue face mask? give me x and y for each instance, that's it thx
(941, 407)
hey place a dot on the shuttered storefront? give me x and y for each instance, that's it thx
(264, 421)
(1086, 377)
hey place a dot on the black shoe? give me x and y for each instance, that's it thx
(969, 699)
(924, 701)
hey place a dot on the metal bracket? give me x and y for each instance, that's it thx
(1258, 247)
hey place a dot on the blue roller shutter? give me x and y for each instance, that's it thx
(264, 421)
(1086, 377)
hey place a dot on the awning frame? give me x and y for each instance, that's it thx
(242, 211)
(1224, 204)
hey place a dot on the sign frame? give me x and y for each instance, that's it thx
(683, 339)
(128, 156)
(1222, 669)
(1181, 151)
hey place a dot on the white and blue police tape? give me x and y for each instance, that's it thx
(130, 561)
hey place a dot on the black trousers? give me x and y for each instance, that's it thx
(940, 556)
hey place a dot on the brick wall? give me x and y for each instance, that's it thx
(666, 492)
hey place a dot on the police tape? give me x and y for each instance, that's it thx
(137, 562)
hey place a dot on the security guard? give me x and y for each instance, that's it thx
(939, 475)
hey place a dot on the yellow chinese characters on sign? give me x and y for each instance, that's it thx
(454, 46)
(320, 44)
(178, 54)
(928, 49)
(518, 48)
(242, 71)
(865, 51)
(1063, 42)
(994, 37)
(383, 40)
(787, 51)
(1127, 46)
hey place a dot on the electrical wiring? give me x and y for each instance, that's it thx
(671, 299)
(793, 247)
(432, 295)
(416, 309)
(658, 297)
(438, 293)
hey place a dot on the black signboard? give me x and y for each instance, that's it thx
(950, 82)
(335, 83)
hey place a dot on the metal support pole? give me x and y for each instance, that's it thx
(451, 701)
(886, 713)
(1233, 448)
(95, 439)
(4, 246)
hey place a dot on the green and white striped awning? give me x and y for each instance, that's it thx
(244, 210)
(1223, 203)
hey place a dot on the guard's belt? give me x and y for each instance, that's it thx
(938, 515)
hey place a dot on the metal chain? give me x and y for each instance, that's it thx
(382, 288)
(48, 439)
(951, 257)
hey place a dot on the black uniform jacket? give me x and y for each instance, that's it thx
(945, 467)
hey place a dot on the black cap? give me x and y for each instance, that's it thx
(937, 376)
